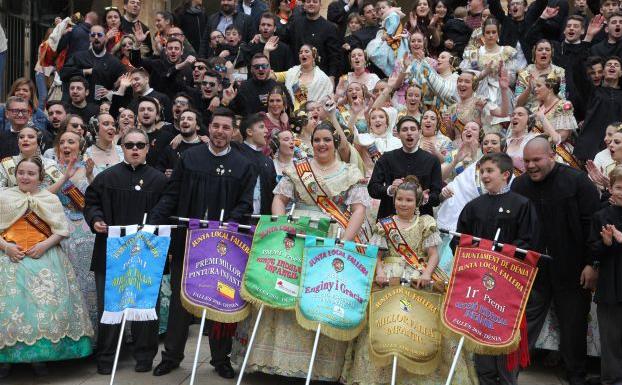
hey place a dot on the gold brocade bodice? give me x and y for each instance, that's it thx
(23, 234)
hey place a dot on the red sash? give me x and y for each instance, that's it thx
(38, 223)
(322, 200)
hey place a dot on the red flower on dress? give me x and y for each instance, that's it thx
(567, 106)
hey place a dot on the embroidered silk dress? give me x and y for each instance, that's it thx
(78, 246)
(281, 346)
(42, 313)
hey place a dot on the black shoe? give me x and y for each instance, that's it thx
(225, 370)
(40, 369)
(104, 369)
(5, 370)
(164, 367)
(144, 366)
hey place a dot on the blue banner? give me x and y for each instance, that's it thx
(134, 266)
(335, 288)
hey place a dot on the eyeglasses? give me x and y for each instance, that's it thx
(131, 145)
(200, 68)
(211, 84)
(181, 102)
(97, 34)
(16, 111)
(261, 66)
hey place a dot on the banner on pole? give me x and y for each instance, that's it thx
(335, 287)
(134, 266)
(214, 263)
(404, 322)
(275, 262)
(487, 295)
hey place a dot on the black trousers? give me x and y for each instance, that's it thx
(145, 333)
(572, 306)
(492, 370)
(177, 329)
(610, 327)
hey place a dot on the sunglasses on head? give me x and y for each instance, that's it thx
(261, 66)
(211, 84)
(131, 145)
(97, 34)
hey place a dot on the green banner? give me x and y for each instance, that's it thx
(272, 274)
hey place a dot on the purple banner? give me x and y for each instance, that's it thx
(214, 265)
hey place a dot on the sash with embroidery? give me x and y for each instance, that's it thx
(517, 172)
(458, 124)
(400, 245)
(70, 190)
(322, 200)
(443, 127)
(567, 156)
(38, 223)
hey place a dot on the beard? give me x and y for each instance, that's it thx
(98, 47)
(187, 134)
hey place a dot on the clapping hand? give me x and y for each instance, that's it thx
(596, 175)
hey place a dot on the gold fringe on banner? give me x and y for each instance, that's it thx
(330, 331)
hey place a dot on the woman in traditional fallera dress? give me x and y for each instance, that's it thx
(79, 244)
(281, 346)
(543, 65)
(422, 236)
(28, 143)
(305, 82)
(490, 59)
(390, 44)
(471, 108)
(555, 118)
(42, 312)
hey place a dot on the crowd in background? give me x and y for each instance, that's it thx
(373, 96)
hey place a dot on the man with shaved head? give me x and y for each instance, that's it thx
(565, 200)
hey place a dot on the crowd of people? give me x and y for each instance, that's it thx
(455, 115)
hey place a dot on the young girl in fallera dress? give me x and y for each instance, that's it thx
(421, 234)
